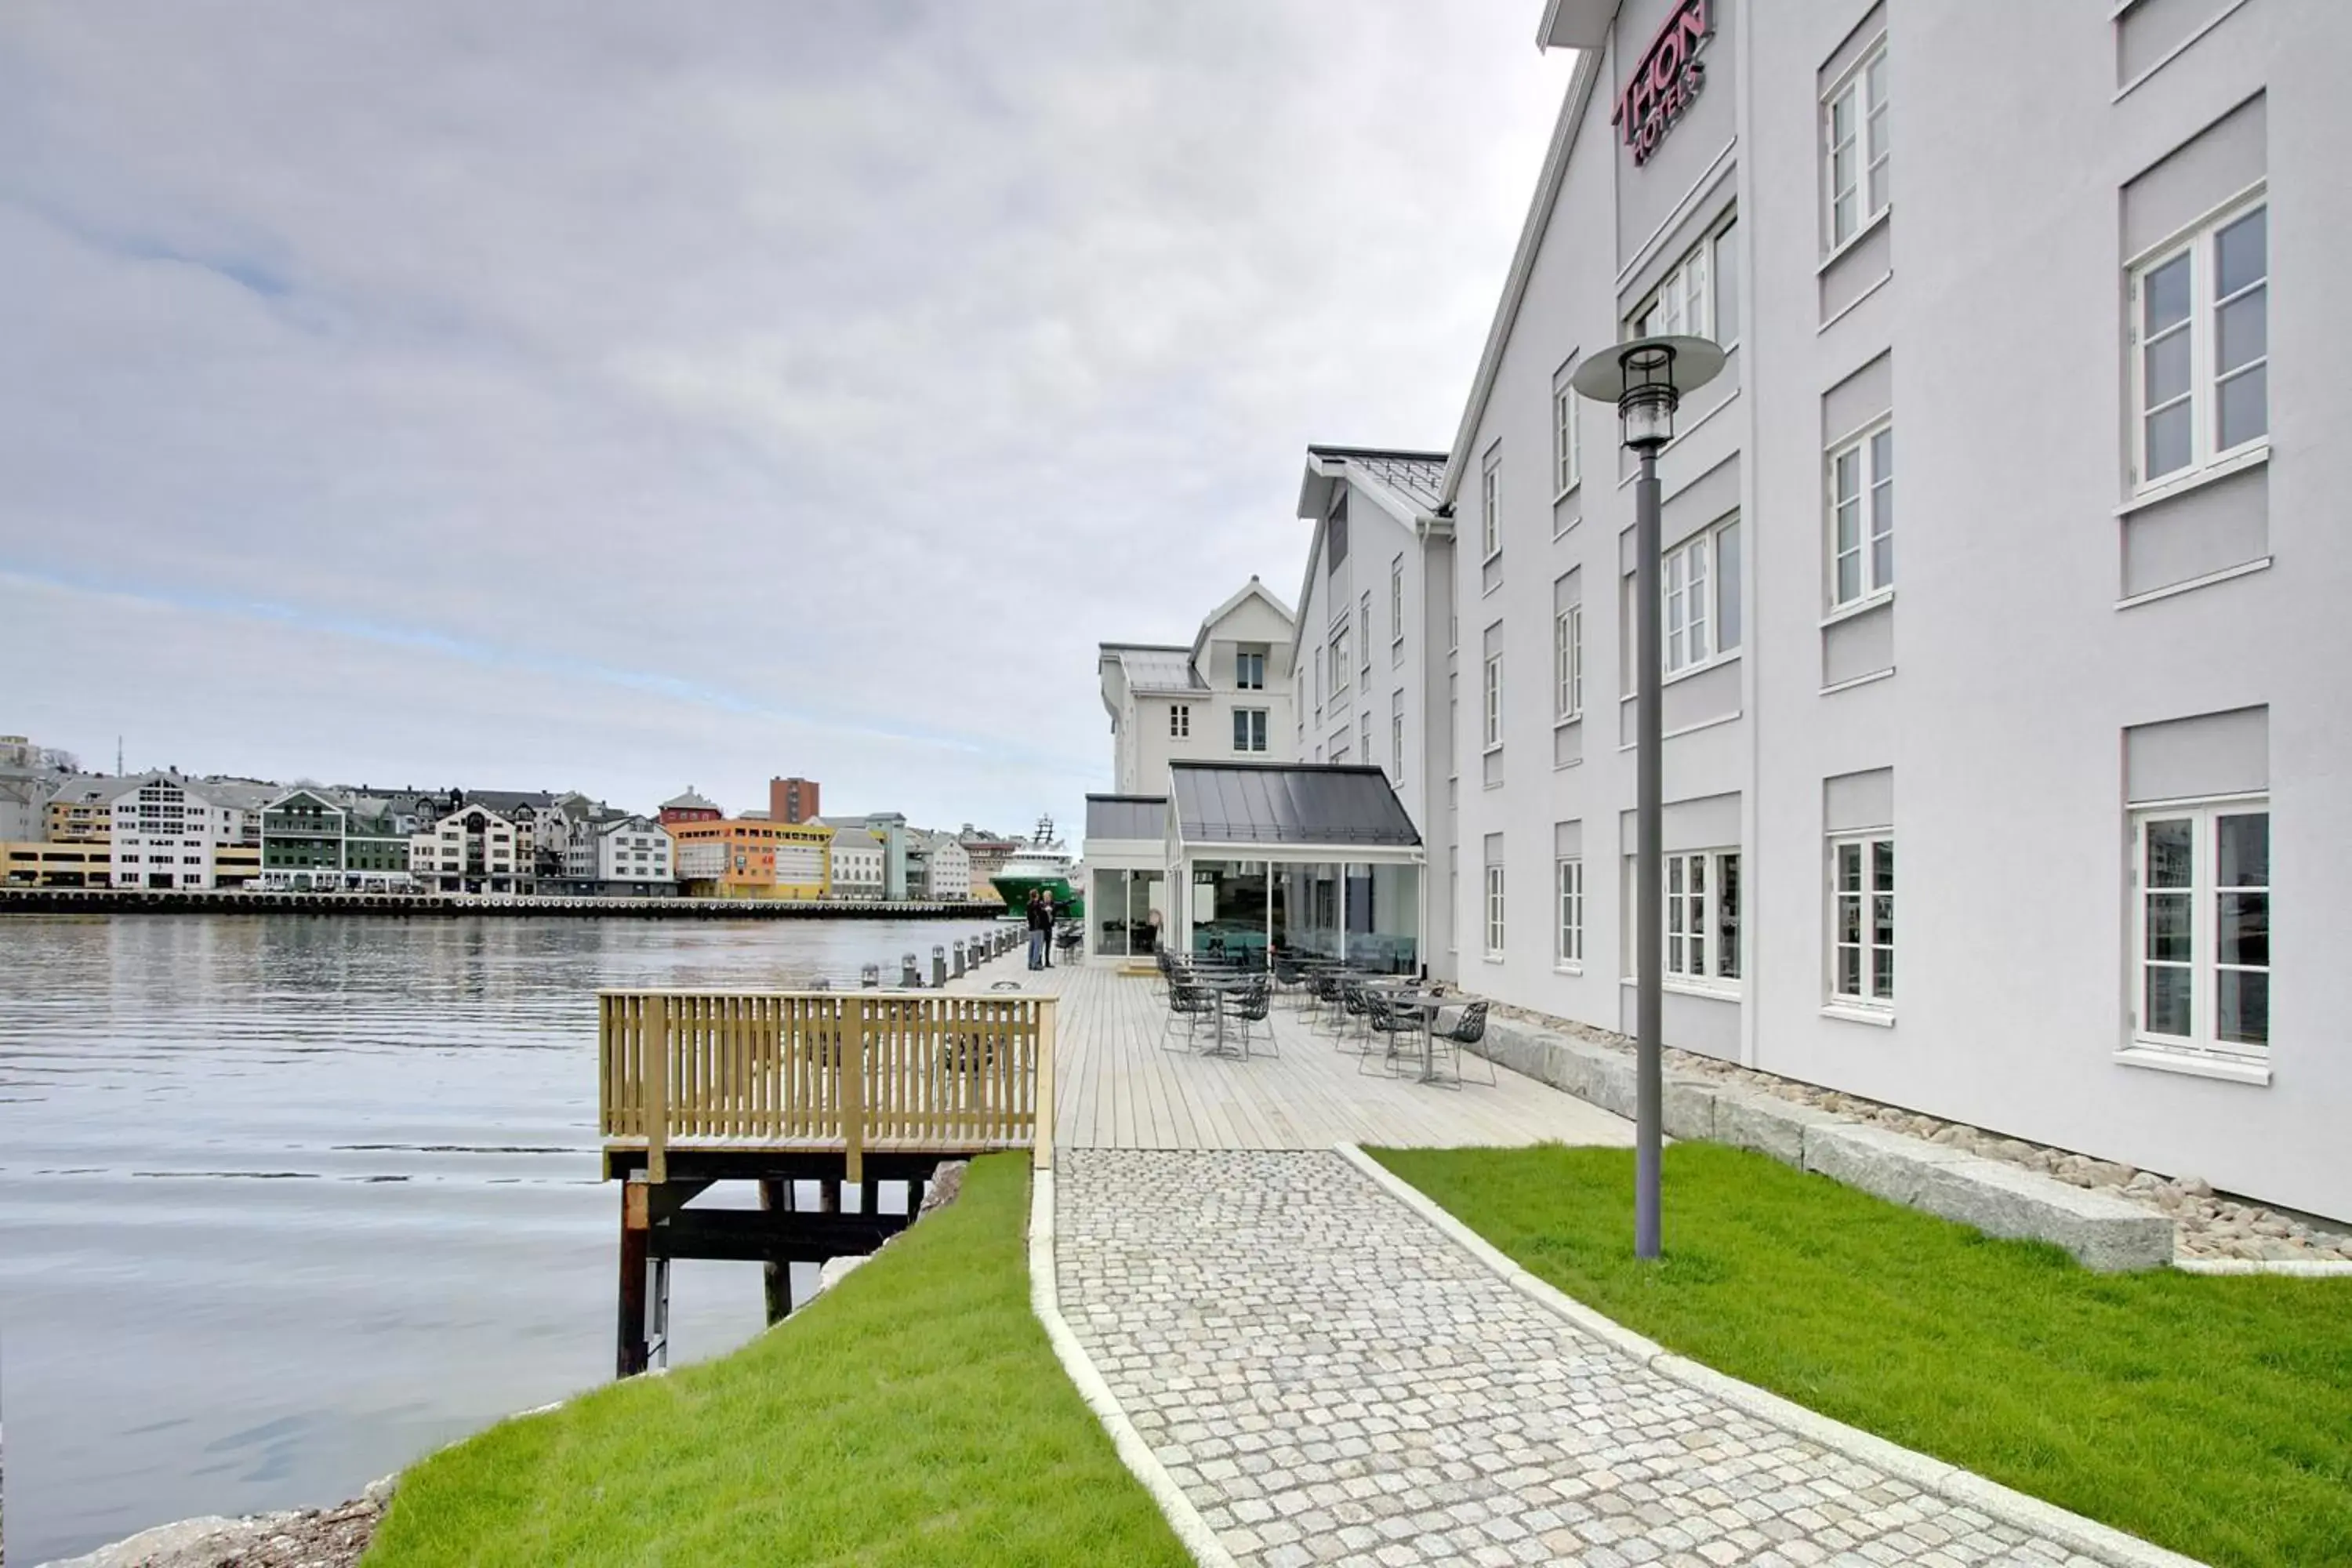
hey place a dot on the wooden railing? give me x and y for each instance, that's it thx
(917, 1071)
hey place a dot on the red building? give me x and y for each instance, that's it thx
(792, 800)
(688, 808)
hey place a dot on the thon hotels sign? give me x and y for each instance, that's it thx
(1665, 78)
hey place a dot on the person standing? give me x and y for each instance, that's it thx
(1036, 928)
(1046, 903)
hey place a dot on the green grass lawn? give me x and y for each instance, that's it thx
(2210, 1415)
(914, 1414)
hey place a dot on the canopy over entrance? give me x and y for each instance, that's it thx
(1304, 858)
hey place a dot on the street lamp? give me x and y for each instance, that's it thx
(1645, 380)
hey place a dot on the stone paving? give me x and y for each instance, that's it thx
(1331, 1380)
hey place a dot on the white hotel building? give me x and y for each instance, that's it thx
(2071, 675)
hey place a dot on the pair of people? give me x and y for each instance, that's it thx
(1041, 929)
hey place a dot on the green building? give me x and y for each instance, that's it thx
(316, 840)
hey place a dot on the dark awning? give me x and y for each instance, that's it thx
(1127, 816)
(1288, 803)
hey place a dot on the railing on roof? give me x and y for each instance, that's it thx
(854, 1070)
(1284, 833)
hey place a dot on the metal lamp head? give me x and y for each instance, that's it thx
(1646, 380)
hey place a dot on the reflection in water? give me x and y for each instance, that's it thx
(287, 1201)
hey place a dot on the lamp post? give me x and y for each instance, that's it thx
(1645, 380)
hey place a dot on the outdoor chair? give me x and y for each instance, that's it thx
(1469, 1030)
(1383, 1022)
(1186, 1001)
(1254, 1005)
(1329, 1008)
(1354, 1006)
(1288, 978)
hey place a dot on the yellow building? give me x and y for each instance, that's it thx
(747, 858)
(89, 865)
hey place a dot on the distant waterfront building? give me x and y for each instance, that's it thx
(471, 850)
(738, 858)
(81, 809)
(170, 832)
(1229, 696)
(632, 856)
(688, 808)
(889, 828)
(27, 776)
(318, 839)
(947, 868)
(792, 800)
(856, 856)
(988, 852)
(46, 864)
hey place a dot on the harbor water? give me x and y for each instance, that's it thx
(286, 1202)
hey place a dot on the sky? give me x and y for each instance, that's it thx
(620, 397)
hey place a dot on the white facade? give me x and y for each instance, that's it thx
(947, 869)
(2112, 579)
(1228, 697)
(857, 864)
(472, 850)
(634, 853)
(168, 831)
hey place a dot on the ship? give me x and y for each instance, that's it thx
(1043, 862)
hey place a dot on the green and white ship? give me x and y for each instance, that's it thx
(1043, 862)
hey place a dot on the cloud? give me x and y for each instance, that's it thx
(786, 389)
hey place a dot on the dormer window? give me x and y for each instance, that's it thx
(1249, 669)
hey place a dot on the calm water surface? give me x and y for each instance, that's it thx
(288, 1201)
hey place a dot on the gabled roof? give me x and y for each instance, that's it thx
(1156, 669)
(507, 802)
(689, 801)
(1249, 589)
(1523, 258)
(1336, 803)
(1406, 482)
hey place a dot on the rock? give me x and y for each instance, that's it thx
(2195, 1186)
(2274, 1251)
(2268, 1227)
(1947, 1135)
(378, 1492)
(2099, 1174)
(1769, 1124)
(837, 1270)
(946, 1184)
(2147, 1181)
(2011, 1149)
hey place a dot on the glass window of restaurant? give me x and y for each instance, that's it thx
(1130, 909)
(1363, 913)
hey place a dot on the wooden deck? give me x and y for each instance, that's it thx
(1117, 1087)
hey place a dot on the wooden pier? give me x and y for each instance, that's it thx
(785, 1088)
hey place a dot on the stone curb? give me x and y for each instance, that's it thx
(2293, 1268)
(2009, 1505)
(1045, 1300)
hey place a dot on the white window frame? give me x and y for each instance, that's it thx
(1567, 448)
(1697, 954)
(1871, 456)
(1396, 606)
(2204, 894)
(1699, 602)
(1364, 735)
(1490, 502)
(1684, 303)
(1255, 733)
(1866, 855)
(1495, 929)
(1364, 644)
(2199, 244)
(1568, 662)
(1860, 92)
(1396, 735)
(1341, 667)
(1493, 729)
(1179, 721)
(1240, 663)
(1568, 885)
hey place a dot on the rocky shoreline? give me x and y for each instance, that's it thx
(2206, 1224)
(298, 1538)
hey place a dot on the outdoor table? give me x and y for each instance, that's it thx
(1428, 1003)
(1221, 987)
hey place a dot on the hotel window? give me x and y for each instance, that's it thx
(2203, 933)
(1568, 878)
(1364, 736)
(1396, 605)
(1862, 518)
(1396, 736)
(1696, 299)
(1339, 665)
(1494, 896)
(1862, 921)
(2201, 334)
(1494, 727)
(1568, 661)
(1701, 584)
(1565, 457)
(1855, 147)
(1249, 670)
(1179, 722)
(1490, 500)
(1703, 916)
(1364, 619)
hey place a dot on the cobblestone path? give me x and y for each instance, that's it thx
(1331, 1380)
